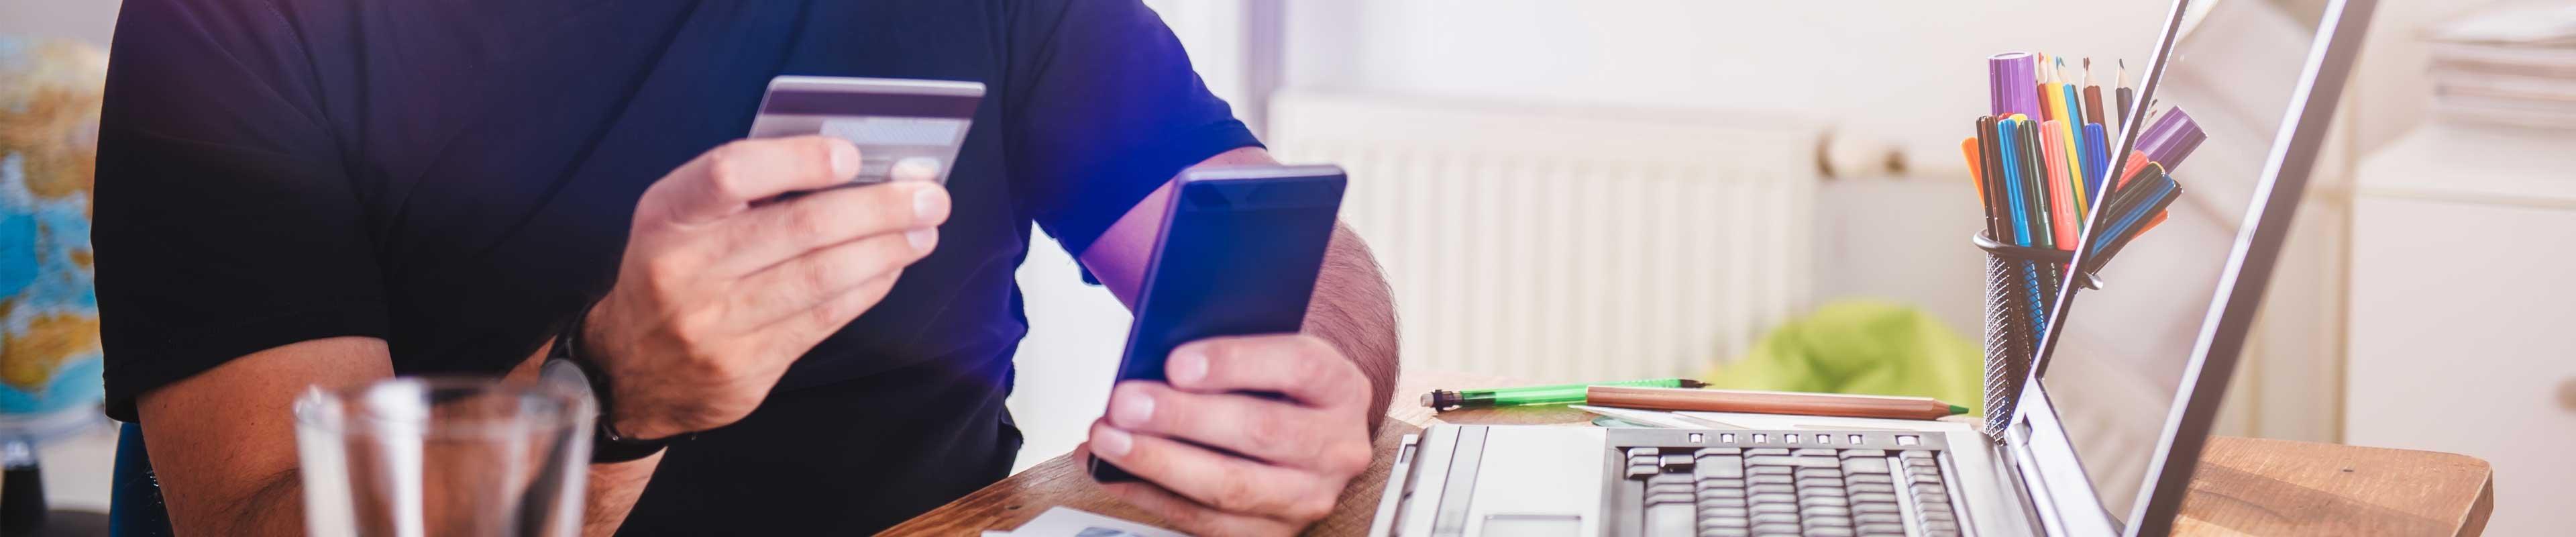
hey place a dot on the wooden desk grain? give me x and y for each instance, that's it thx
(2244, 486)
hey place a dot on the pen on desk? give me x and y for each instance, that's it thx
(1758, 402)
(1537, 395)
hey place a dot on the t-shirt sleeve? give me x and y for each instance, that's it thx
(1104, 108)
(225, 222)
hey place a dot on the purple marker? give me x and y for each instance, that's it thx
(2172, 138)
(2012, 76)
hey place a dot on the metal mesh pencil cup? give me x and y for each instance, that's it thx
(2021, 285)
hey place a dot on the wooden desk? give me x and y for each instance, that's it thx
(2244, 485)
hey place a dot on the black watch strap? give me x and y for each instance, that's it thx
(606, 444)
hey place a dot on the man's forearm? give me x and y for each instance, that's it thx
(1355, 311)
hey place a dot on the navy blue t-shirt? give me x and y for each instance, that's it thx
(457, 178)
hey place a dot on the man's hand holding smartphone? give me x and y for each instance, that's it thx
(1278, 464)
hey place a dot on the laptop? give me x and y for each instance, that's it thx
(2101, 442)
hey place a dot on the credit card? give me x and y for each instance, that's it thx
(894, 122)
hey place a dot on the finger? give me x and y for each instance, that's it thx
(802, 283)
(774, 233)
(1223, 482)
(1192, 517)
(915, 169)
(727, 179)
(1301, 367)
(1277, 432)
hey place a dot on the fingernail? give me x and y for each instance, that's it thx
(1111, 441)
(915, 169)
(1186, 367)
(845, 159)
(921, 238)
(930, 204)
(1134, 408)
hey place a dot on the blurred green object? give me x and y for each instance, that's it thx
(1861, 347)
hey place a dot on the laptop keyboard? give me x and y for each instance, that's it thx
(1756, 491)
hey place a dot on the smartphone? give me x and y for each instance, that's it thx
(1237, 255)
(893, 121)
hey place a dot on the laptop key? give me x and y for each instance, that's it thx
(1826, 511)
(1769, 470)
(1871, 465)
(1849, 478)
(1714, 514)
(1779, 498)
(1766, 451)
(1636, 451)
(1770, 460)
(1737, 531)
(1678, 462)
(1880, 488)
(1881, 529)
(1835, 473)
(1731, 488)
(1643, 470)
(1673, 520)
(1830, 501)
(1768, 518)
(1915, 454)
(1873, 507)
(1828, 531)
(1669, 497)
(1836, 492)
(1813, 452)
(1879, 518)
(1772, 507)
(1718, 451)
(1721, 503)
(1781, 488)
(1850, 453)
(1714, 467)
(1790, 528)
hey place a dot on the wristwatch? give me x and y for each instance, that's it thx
(568, 367)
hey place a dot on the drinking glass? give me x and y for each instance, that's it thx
(412, 457)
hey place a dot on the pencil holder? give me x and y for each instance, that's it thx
(2021, 284)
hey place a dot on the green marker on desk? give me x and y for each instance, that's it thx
(1443, 400)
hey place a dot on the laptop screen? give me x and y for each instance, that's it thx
(2122, 354)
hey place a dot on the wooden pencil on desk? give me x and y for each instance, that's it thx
(1805, 404)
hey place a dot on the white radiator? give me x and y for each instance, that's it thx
(1570, 244)
(1542, 244)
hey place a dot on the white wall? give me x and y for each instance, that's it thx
(1909, 72)
(86, 20)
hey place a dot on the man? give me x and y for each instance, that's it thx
(300, 192)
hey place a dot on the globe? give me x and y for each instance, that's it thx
(49, 347)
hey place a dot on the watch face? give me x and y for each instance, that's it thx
(562, 373)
